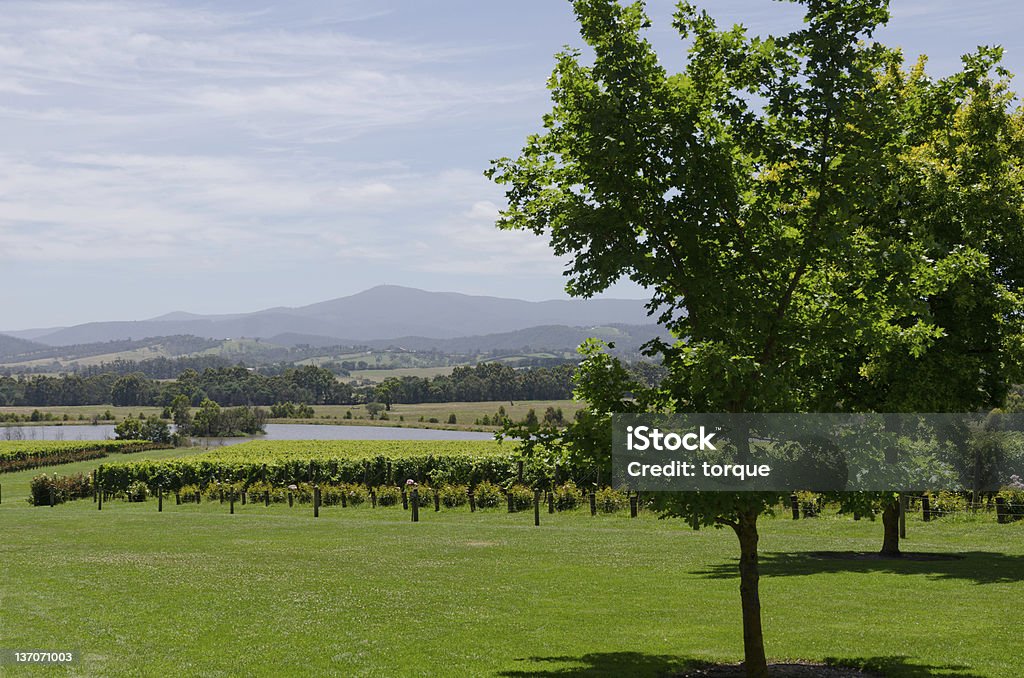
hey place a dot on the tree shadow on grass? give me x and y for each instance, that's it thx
(604, 664)
(900, 667)
(981, 567)
(640, 665)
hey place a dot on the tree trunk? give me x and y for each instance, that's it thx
(891, 527)
(753, 639)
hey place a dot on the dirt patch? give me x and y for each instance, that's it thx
(788, 670)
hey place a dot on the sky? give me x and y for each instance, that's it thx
(218, 157)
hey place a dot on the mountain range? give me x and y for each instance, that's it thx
(383, 313)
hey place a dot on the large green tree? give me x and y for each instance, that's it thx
(820, 228)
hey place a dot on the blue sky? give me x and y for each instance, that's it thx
(231, 156)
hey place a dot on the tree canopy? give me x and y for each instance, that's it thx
(821, 228)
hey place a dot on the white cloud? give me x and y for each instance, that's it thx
(151, 62)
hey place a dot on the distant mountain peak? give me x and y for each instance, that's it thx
(380, 312)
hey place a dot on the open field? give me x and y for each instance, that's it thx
(87, 412)
(139, 354)
(364, 592)
(465, 413)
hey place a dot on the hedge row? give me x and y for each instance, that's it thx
(18, 455)
(368, 463)
(486, 495)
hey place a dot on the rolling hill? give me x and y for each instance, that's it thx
(385, 312)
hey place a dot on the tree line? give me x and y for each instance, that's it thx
(308, 385)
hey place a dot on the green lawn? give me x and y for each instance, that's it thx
(364, 592)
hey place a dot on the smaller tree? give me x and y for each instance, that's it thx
(129, 428)
(181, 414)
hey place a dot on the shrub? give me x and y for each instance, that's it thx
(567, 497)
(64, 488)
(610, 500)
(330, 495)
(188, 493)
(488, 495)
(522, 497)
(1014, 496)
(137, 491)
(453, 496)
(452, 419)
(810, 503)
(355, 494)
(388, 495)
(424, 494)
(945, 502)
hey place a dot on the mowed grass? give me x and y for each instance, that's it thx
(364, 592)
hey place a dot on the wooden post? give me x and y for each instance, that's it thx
(437, 500)
(177, 498)
(222, 495)
(266, 498)
(373, 498)
(160, 499)
(926, 508)
(633, 501)
(344, 499)
(1001, 512)
(415, 505)
(291, 499)
(472, 502)
(551, 502)
(695, 521)
(794, 504)
(508, 499)
(199, 497)
(593, 503)
(405, 500)
(232, 499)
(536, 507)
(904, 505)
(244, 493)
(316, 501)
(99, 499)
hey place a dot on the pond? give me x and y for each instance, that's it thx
(274, 432)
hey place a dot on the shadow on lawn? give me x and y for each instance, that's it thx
(898, 667)
(604, 664)
(981, 567)
(670, 666)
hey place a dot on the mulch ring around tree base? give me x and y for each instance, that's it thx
(795, 669)
(873, 555)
